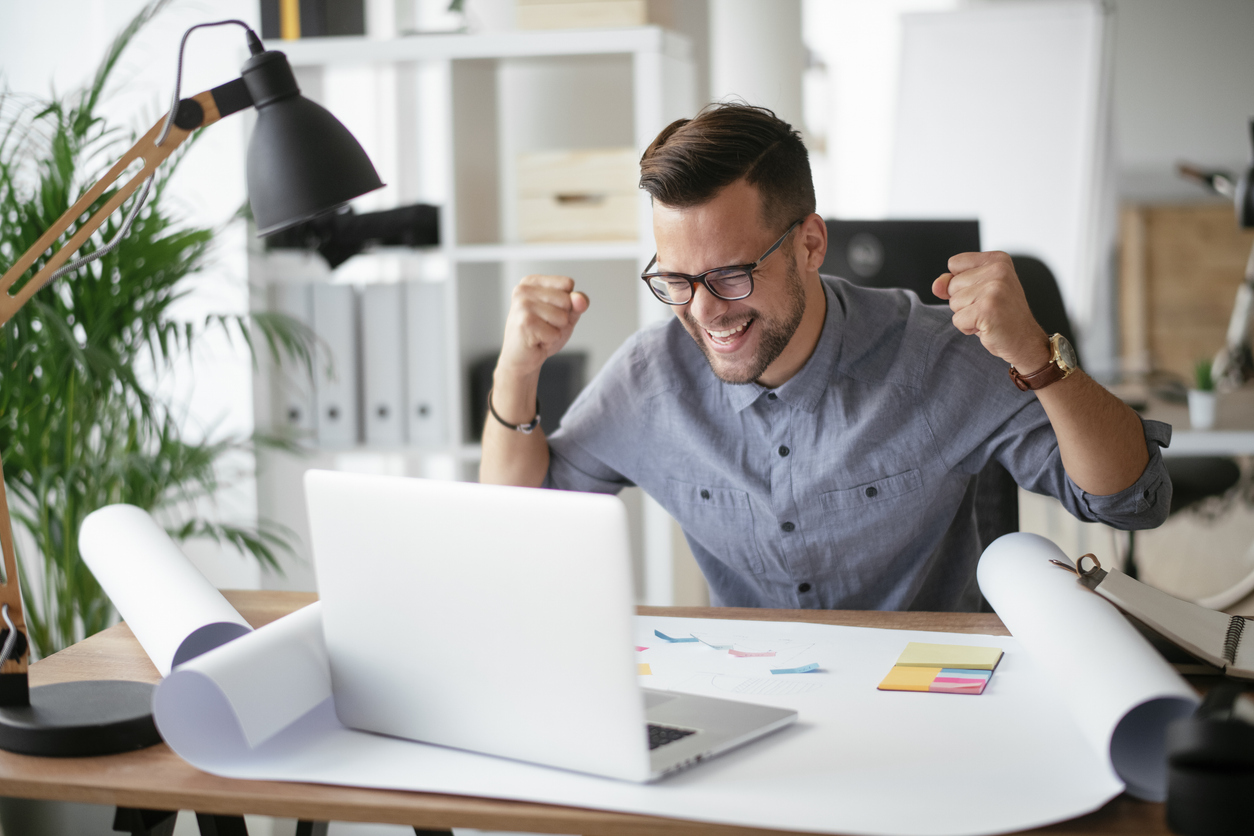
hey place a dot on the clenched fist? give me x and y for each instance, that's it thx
(542, 315)
(987, 300)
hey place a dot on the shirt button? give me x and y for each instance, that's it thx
(871, 491)
(788, 526)
(805, 587)
(771, 396)
(1146, 495)
(783, 451)
(705, 494)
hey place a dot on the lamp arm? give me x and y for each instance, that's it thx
(199, 111)
(145, 149)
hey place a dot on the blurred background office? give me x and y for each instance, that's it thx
(508, 131)
(483, 127)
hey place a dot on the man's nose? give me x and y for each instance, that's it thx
(705, 306)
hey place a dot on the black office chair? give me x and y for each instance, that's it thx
(911, 254)
(997, 494)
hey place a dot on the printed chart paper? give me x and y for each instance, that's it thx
(261, 707)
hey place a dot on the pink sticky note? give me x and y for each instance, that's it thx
(747, 653)
(957, 686)
(638, 647)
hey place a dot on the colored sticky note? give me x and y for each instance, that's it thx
(936, 680)
(902, 678)
(667, 638)
(813, 666)
(923, 655)
(966, 673)
(958, 681)
(735, 652)
(638, 648)
(643, 669)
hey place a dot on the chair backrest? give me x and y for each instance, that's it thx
(897, 253)
(910, 255)
(1045, 300)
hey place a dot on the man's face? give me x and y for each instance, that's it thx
(742, 339)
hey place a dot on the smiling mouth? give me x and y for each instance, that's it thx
(728, 336)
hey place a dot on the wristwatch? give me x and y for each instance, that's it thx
(1060, 366)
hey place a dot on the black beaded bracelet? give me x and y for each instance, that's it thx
(525, 429)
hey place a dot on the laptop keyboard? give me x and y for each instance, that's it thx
(661, 735)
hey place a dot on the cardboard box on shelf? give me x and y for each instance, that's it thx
(587, 195)
(592, 14)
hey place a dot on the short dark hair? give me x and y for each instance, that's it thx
(692, 159)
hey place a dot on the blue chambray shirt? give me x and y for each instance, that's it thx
(851, 486)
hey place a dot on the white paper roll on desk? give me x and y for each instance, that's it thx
(1122, 693)
(172, 609)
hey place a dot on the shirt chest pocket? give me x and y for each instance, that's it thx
(870, 495)
(721, 520)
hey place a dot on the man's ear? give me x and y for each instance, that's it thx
(812, 234)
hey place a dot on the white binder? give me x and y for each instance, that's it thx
(383, 363)
(427, 411)
(335, 321)
(294, 390)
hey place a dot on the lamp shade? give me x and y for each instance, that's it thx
(302, 161)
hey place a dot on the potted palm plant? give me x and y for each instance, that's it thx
(82, 423)
(82, 420)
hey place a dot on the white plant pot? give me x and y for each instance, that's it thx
(1202, 409)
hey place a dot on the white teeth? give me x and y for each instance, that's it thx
(722, 335)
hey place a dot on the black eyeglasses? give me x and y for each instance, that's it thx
(727, 283)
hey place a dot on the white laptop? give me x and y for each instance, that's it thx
(500, 620)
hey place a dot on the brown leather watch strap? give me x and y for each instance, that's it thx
(1038, 379)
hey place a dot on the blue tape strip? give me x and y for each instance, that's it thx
(813, 666)
(667, 638)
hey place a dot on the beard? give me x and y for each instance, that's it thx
(774, 333)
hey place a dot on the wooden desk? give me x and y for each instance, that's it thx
(156, 778)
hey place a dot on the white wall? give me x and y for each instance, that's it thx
(1183, 90)
(56, 46)
(756, 55)
(851, 99)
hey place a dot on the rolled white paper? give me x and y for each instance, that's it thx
(267, 682)
(172, 609)
(1119, 689)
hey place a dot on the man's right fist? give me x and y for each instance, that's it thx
(542, 315)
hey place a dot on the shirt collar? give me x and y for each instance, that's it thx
(806, 387)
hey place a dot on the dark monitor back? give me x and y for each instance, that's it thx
(909, 254)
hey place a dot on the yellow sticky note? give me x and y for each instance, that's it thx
(909, 679)
(919, 654)
(643, 669)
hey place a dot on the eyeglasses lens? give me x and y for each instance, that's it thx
(725, 284)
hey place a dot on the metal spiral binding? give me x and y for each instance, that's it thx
(1233, 640)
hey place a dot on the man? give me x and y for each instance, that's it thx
(817, 441)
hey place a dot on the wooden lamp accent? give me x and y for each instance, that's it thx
(302, 163)
(152, 155)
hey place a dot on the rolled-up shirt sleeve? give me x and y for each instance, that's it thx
(571, 468)
(1146, 502)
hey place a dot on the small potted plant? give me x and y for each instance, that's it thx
(1202, 397)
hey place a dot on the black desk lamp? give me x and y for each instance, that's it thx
(301, 163)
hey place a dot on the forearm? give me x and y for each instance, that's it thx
(1100, 439)
(511, 457)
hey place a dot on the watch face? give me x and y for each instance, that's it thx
(1066, 354)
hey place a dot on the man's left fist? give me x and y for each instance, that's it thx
(987, 300)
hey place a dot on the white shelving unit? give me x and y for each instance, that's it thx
(444, 117)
